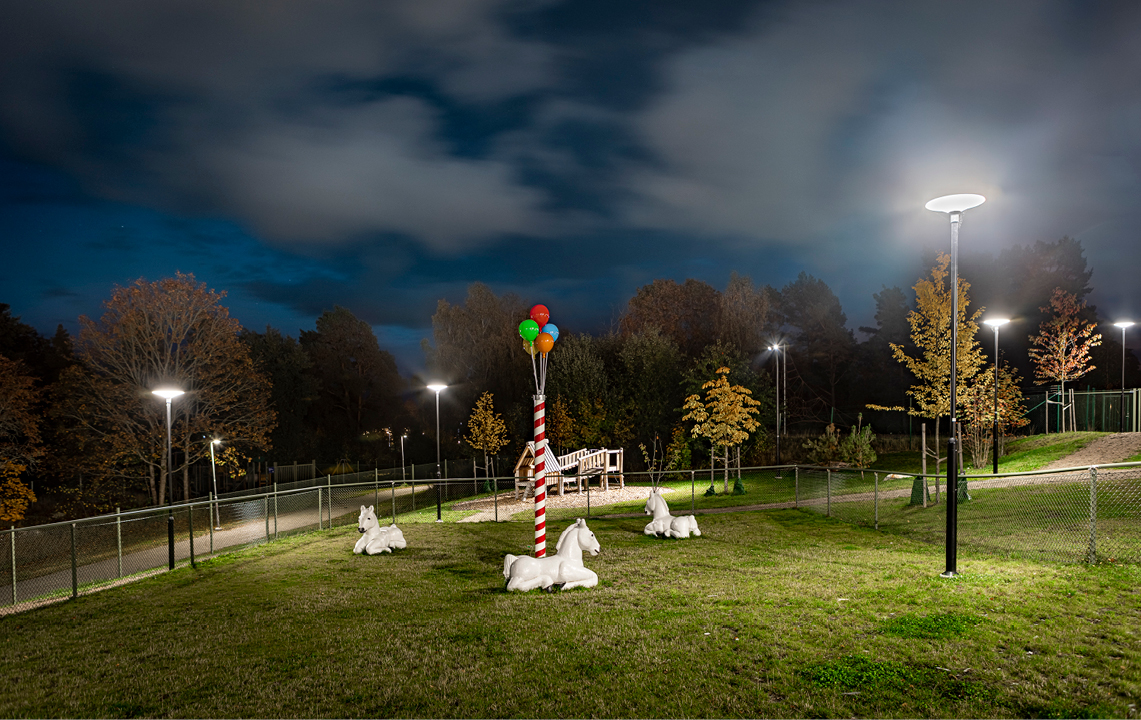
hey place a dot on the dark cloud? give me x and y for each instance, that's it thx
(381, 156)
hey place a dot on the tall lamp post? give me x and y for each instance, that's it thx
(954, 206)
(403, 477)
(169, 394)
(437, 388)
(995, 323)
(776, 350)
(214, 476)
(1122, 324)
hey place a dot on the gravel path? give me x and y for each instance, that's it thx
(1103, 451)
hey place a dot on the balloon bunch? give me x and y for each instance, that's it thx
(539, 336)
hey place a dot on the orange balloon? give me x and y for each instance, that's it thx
(544, 343)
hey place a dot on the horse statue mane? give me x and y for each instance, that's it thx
(562, 571)
(664, 524)
(374, 538)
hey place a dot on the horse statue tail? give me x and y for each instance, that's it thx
(507, 561)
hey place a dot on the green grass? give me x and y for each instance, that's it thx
(775, 614)
(1022, 455)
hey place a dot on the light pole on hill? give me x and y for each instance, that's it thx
(1122, 324)
(995, 323)
(169, 394)
(214, 475)
(438, 388)
(954, 206)
(776, 356)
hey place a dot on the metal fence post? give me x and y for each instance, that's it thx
(1093, 515)
(213, 519)
(320, 512)
(265, 512)
(74, 566)
(375, 487)
(495, 499)
(329, 479)
(118, 537)
(877, 500)
(829, 511)
(692, 491)
(190, 521)
(796, 489)
(13, 536)
(393, 502)
(275, 511)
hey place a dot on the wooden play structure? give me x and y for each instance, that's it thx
(573, 469)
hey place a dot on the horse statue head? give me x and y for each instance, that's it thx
(367, 519)
(578, 537)
(656, 504)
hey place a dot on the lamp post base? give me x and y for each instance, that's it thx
(948, 574)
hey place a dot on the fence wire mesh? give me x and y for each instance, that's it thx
(1064, 516)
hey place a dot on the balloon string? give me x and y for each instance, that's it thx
(538, 390)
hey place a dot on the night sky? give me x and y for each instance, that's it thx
(383, 155)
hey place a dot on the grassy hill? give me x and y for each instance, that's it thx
(774, 614)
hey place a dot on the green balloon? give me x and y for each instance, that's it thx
(529, 330)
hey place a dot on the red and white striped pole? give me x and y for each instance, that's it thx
(540, 477)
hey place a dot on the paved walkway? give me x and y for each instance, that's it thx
(31, 592)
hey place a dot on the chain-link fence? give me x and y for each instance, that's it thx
(1070, 515)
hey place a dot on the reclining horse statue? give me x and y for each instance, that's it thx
(374, 538)
(563, 570)
(665, 524)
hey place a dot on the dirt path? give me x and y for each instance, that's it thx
(1103, 451)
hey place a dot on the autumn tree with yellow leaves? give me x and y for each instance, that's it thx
(725, 416)
(931, 332)
(487, 430)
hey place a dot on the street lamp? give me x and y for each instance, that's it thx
(214, 476)
(1122, 324)
(995, 323)
(403, 477)
(776, 350)
(437, 388)
(169, 394)
(954, 206)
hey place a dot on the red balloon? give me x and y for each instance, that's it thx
(544, 343)
(540, 314)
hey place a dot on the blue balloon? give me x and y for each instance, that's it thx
(551, 330)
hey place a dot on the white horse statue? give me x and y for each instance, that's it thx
(374, 538)
(665, 524)
(563, 570)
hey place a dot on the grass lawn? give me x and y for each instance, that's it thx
(777, 613)
(1022, 455)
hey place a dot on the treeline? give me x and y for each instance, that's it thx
(78, 417)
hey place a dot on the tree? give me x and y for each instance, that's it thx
(746, 315)
(979, 413)
(357, 384)
(486, 427)
(19, 438)
(650, 383)
(822, 347)
(930, 332)
(283, 361)
(477, 349)
(561, 429)
(1061, 349)
(685, 313)
(725, 416)
(151, 333)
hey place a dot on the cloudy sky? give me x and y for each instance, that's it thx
(382, 155)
